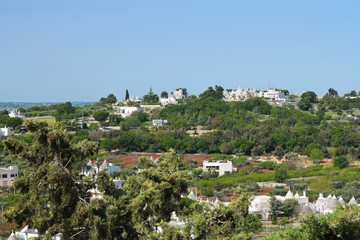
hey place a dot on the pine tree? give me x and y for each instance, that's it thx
(127, 95)
(50, 191)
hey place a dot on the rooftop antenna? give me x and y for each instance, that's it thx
(268, 85)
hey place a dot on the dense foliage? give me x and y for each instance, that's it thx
(342, 224)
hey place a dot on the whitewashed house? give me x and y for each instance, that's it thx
(329, 204)
(274, 95)
(261, 204)
(4, 132)
(170, 100)
(15, 113)
(158, 122)
(173, 97)
(178, 94)
(126, 111)
(93, 169)
(222, 167)
(243, 94)
(8, 175)
(118, 183)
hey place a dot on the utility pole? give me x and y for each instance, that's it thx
(267, 216)
(82, 121)
(196, 193)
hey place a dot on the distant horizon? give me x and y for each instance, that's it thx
(158, 93)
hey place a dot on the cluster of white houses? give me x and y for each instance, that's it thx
(261, 204)
(15, 113)
(173, 98)
(243, 94)
(92, 169)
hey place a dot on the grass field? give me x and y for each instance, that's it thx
(48, 120)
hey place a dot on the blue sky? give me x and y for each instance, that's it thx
(84, 50)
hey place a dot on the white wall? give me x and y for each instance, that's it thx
(221, 167)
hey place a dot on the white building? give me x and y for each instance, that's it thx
(178, 94)
(4, 132)
(243, 94)
(158, 122)
(127, 111)
(94, 170)
(274, 95)
(170, 100)
(173, 97)
(8, 175)
(15, 113)
(31, 233)
(329, 204)
(261, 204)
(118, 183)
(133, 99)
(222, 167)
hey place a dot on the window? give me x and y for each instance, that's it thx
(4, 183)
(4, 176)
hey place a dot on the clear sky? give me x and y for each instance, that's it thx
(84, 50)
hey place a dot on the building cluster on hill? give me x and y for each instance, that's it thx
(15, 113)
(243, 94)
(173, 97)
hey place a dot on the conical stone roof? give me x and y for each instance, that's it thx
(333, 203)
(353, 201)
(305, 210)
(297, 195)
(192, 196)
(12, 236)
(289, 195)
(105, 164)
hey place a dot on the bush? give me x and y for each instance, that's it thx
(279, 191)
(268, 165)
(337, 185)
(296, 185)
(341, 162)
(101, 116)
(280, 175)
(316, 154)
(284, 221)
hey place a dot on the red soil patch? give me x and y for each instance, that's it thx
(266, 171)
(265, 190)
(130, 159)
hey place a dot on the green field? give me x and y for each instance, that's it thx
(48, 120)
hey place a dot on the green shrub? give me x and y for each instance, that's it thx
(341, 162)
(284, 221)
